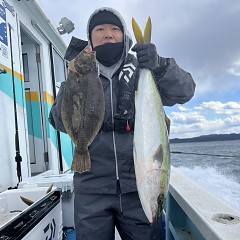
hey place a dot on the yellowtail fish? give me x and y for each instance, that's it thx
(151, 143)
(83, 106)
(29, 202)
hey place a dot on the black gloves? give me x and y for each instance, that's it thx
(147, 55)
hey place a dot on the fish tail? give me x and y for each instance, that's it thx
(27, 201)
(81, 162)
(161, 201)
(50, 188)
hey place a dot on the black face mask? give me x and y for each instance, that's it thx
(109, 53)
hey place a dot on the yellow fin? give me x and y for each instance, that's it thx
(148, 31)
(137, 32)
(50, 188)
(27, 201)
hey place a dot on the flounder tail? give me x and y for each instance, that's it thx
(81, 161)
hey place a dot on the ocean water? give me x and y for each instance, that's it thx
(213, 165)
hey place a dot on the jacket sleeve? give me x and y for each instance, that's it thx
(175, 85)
(55, 117)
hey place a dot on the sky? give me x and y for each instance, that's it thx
(203, 37)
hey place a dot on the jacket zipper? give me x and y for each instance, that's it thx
(113, 133)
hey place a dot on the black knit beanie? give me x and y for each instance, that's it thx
(104, 17)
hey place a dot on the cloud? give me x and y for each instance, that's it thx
(207, 118)
(229, 108)
(235, 69)
(186, 117)
(202, 36)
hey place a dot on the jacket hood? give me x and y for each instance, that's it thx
(127, 37)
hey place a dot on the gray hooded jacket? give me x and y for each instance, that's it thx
(112, 151)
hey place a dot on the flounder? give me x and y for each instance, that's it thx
(83, 106)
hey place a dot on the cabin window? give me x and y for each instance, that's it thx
(25, 67)
(59, 68)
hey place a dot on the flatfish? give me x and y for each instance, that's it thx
(83, 106)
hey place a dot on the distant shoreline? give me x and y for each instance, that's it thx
(207, 138)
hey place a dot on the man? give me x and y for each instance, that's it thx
(107, 196)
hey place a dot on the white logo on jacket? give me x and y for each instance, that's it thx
(127, 72)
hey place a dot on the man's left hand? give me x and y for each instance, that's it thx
(147, 55)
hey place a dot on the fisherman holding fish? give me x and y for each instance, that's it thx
(105, 188)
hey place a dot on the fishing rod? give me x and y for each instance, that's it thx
(205, 154)
(18, 157)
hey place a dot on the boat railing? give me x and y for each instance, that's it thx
(194, 213)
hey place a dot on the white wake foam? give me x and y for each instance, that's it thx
(221, 186)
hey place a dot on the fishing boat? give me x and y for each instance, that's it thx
(34, 155)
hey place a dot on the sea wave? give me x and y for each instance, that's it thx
(220, 185)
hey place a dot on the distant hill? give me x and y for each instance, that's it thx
(207, 138)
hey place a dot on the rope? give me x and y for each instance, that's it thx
(205, 154)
